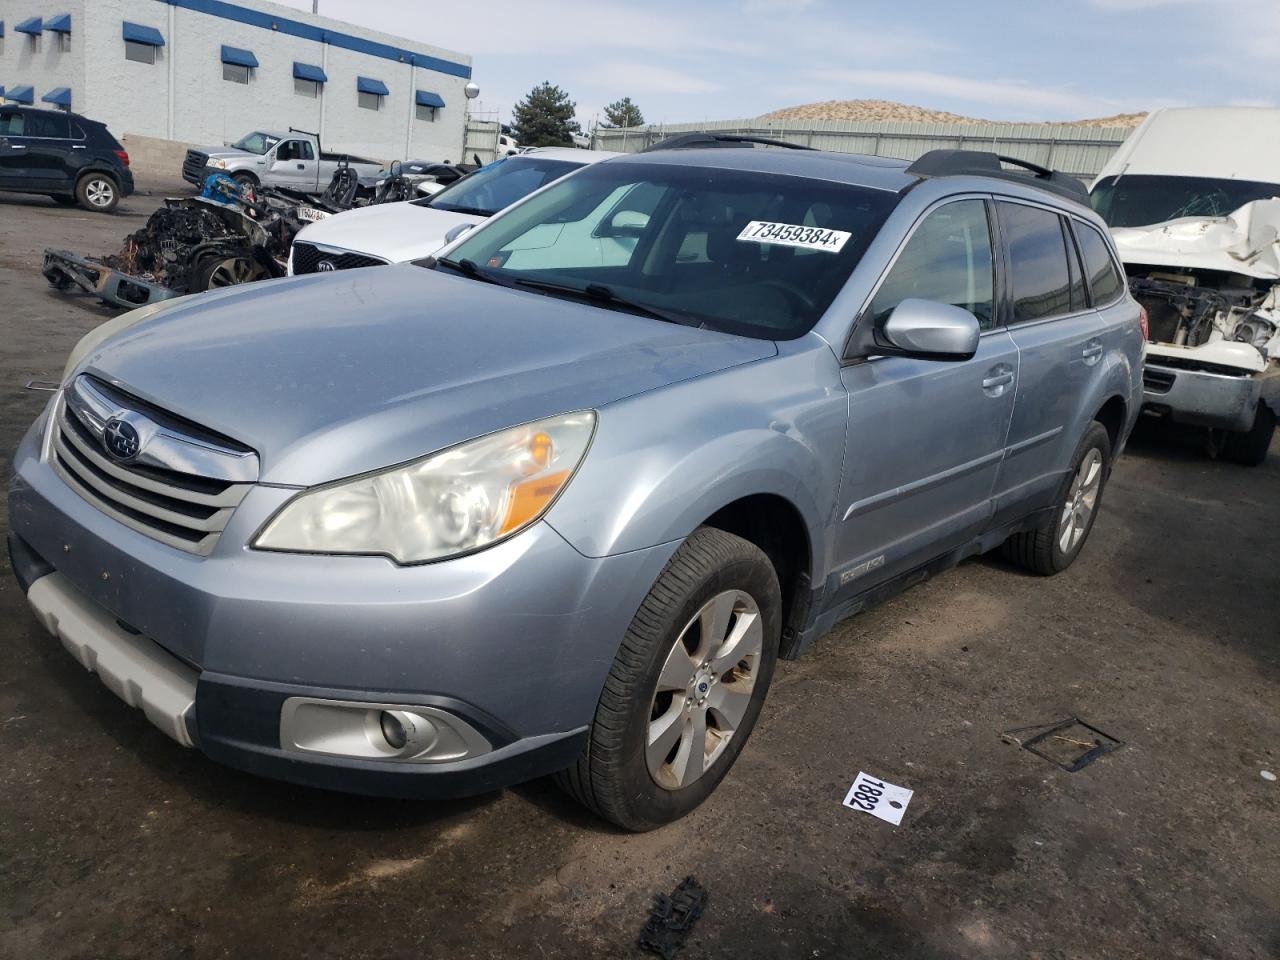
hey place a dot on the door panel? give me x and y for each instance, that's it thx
(925, 437)
(13, 149)
(1058, 337)
(48, 140)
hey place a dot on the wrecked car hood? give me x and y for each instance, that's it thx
(1247, 241)
(223, 153)
(331, 375)
(397, 232)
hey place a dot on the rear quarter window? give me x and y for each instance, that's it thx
(1104, 279)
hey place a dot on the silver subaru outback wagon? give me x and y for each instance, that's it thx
(557, 500)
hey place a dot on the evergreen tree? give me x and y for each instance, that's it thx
(623, 113)
(544, 118)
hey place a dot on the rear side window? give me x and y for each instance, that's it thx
(1104, 278)
(947, 260)
(1079, 299)
(48, 125)
(12, 125)
(1039, 275)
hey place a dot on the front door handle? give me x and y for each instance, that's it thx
(997, 380)
(302, 166)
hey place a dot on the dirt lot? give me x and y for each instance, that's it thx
(115, 842)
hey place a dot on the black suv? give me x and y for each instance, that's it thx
(64, 156)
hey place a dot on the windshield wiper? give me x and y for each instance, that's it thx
(469, 268)
(465, 211)
(599, 293)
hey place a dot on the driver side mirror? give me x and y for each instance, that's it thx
(923, 329)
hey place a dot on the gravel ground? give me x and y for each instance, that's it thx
(116, 843)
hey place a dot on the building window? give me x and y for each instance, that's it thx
(370, 101)
(34, 42)
(426, 113)
(139, 52)
(64, 42)
(306, 88)
(235, 72)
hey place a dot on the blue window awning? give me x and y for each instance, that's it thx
(425, 98)
(60, 95)
(137, 33)
(59, 24)
(32, 26)
(241, 58)
(20, 95)
(307, 71)
(370, 85)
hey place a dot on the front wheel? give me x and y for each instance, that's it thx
(1054, 545)
(97, 192)
(1250, 448)
(686, 686)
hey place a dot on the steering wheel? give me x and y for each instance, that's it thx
(794, 297)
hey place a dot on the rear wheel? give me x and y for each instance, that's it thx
(686, 686)
(1250, 447)
(97, 192)
(1054, 545)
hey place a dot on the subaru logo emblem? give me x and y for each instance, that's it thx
(325, 266)
(121, 439)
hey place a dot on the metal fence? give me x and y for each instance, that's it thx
(1078, 150)
(481, 139)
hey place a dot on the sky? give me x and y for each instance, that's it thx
(729, 59)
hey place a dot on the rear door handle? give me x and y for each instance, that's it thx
(78, 146)
(1092, 352)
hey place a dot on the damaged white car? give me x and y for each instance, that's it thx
(1193, 201)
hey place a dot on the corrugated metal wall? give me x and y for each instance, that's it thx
(1078, 150)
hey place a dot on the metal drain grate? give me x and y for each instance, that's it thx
(1070, 744)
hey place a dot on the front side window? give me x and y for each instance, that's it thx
(369, 101)
(139, 52)
(1039, 275)
(235, 73)
(747, 253)
(498, 185)
(12, 124)
(1104, 279)
(947, 260)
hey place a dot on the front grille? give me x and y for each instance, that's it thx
(193, 166)
(307, 257)
(185, 510)
(1158, 381)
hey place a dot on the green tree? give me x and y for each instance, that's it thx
(623, 113)
(544, 118)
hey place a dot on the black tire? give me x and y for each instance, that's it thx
(612, 776)
(1250, 447)
(246, 180)
(97, 192)
(63, 200)
(1040, 550)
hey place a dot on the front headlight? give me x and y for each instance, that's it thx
(216, 163)
(452, 502)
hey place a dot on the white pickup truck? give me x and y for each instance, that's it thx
(1193, 201)
(293, 161)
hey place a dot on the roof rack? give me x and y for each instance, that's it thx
(684, 141)
(980, 163)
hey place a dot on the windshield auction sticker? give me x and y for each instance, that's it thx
(794, 235)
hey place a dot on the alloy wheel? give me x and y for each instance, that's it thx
(704, 689)
(1082, 498)
(99, 192)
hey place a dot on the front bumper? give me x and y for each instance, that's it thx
(1200, 398)
(514, 641)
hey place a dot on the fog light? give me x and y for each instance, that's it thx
(393, 730)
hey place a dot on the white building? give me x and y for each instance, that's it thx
(209, 71)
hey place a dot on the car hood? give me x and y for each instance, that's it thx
(1245, 241)
(328, 376)
(224, 152)
(397, 232)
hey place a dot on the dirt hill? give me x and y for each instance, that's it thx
(892, 112)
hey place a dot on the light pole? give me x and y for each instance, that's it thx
(470, 91)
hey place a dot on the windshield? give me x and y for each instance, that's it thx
(498, 185)
(748, 253)
(255, 142)
(1138, 201)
